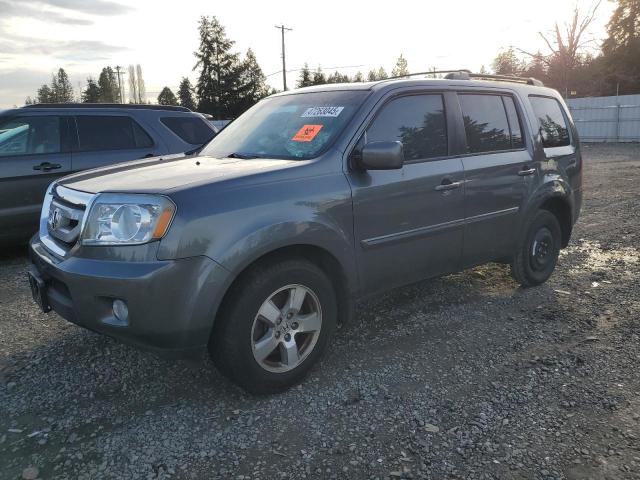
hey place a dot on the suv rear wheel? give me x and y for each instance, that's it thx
(274, 326)
(537, 253)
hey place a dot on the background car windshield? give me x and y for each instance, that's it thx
(298, 126)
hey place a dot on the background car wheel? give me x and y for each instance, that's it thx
(274, 325)
(537, 254)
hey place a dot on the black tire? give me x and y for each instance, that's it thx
(537, 252)
(231, 342)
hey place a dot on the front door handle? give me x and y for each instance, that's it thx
(448, 185)
(529, 171)
(46, 166)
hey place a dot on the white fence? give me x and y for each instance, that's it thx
(607, 119)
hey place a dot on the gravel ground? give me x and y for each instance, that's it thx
(465, 377)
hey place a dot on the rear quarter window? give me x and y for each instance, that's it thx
(553, 123)
(190, 129)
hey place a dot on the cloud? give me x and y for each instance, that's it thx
(78, 50)
(12, 10)
(91, 7)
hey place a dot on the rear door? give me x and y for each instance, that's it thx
(105, 139)
(497, 165)
(33, 152)
(408, 222)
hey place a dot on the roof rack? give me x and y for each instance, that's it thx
(109, 105)
(463, 74)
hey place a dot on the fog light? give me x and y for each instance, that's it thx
(120, 310)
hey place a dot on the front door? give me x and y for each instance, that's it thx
(33, 153)
(408, 223)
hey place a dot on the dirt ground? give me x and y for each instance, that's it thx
(463, 377)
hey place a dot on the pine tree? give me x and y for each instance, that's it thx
(621, 49)
(29, 101)
(508, 63)
(91, 93)
(401, 69)
(167, 97)
(382, 74)
(253, 84)
(358, 77)
(108, 85)
(44, 95)
(185, 94)
(219, 80)
(318, 77)
(305, 79)
(61, 89)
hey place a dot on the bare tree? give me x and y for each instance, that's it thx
(142, 91)
(133, 85)
(567, 44)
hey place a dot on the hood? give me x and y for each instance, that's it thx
(158, 175)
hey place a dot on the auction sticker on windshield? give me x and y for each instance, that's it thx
(307, 133)
(322, 112)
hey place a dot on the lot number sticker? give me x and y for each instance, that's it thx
(307, 133)
(322, 112)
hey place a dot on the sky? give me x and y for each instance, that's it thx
(39, 36)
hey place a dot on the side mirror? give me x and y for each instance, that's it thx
(382, 156)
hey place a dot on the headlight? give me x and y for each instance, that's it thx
(127, 219)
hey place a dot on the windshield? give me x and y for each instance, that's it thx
(297, 127)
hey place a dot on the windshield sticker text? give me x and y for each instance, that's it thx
(322, 112)
(307, 133)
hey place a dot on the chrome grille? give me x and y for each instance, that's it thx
(62, 217)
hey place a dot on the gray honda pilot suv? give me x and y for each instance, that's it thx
(258, 247)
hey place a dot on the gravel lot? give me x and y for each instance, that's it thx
(465, 377)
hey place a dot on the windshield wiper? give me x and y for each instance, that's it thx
(242, 156)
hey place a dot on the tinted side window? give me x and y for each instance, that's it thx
(485, 123)
(190, 129)
(418, 121)
(553, 125)
(110, 133)
(29, 136)
(514, 123)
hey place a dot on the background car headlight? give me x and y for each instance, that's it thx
(127, 219)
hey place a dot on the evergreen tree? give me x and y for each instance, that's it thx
(108, 85)
(337, 77)
(185, 94)
(305, 79)
(253, 84)
(372, 76)
(61, 89)
(219, 80)
(91, 93)
(621, 49)
(358, 77)
(167, 97)
(508, 63)
(401, 69)
(44, 95)
(318, 77)
(382, 74)
(29, 101)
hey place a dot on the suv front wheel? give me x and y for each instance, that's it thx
(274, 326)
(537, 253)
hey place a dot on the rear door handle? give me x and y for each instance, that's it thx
(529, 171)
(148, 155)
(46, 166)
(448, 185)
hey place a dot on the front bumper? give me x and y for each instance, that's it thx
(171, 303)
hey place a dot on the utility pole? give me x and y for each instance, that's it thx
(282, 28)
(120, 92)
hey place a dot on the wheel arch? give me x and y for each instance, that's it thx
(554, 196)
(327, 261)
